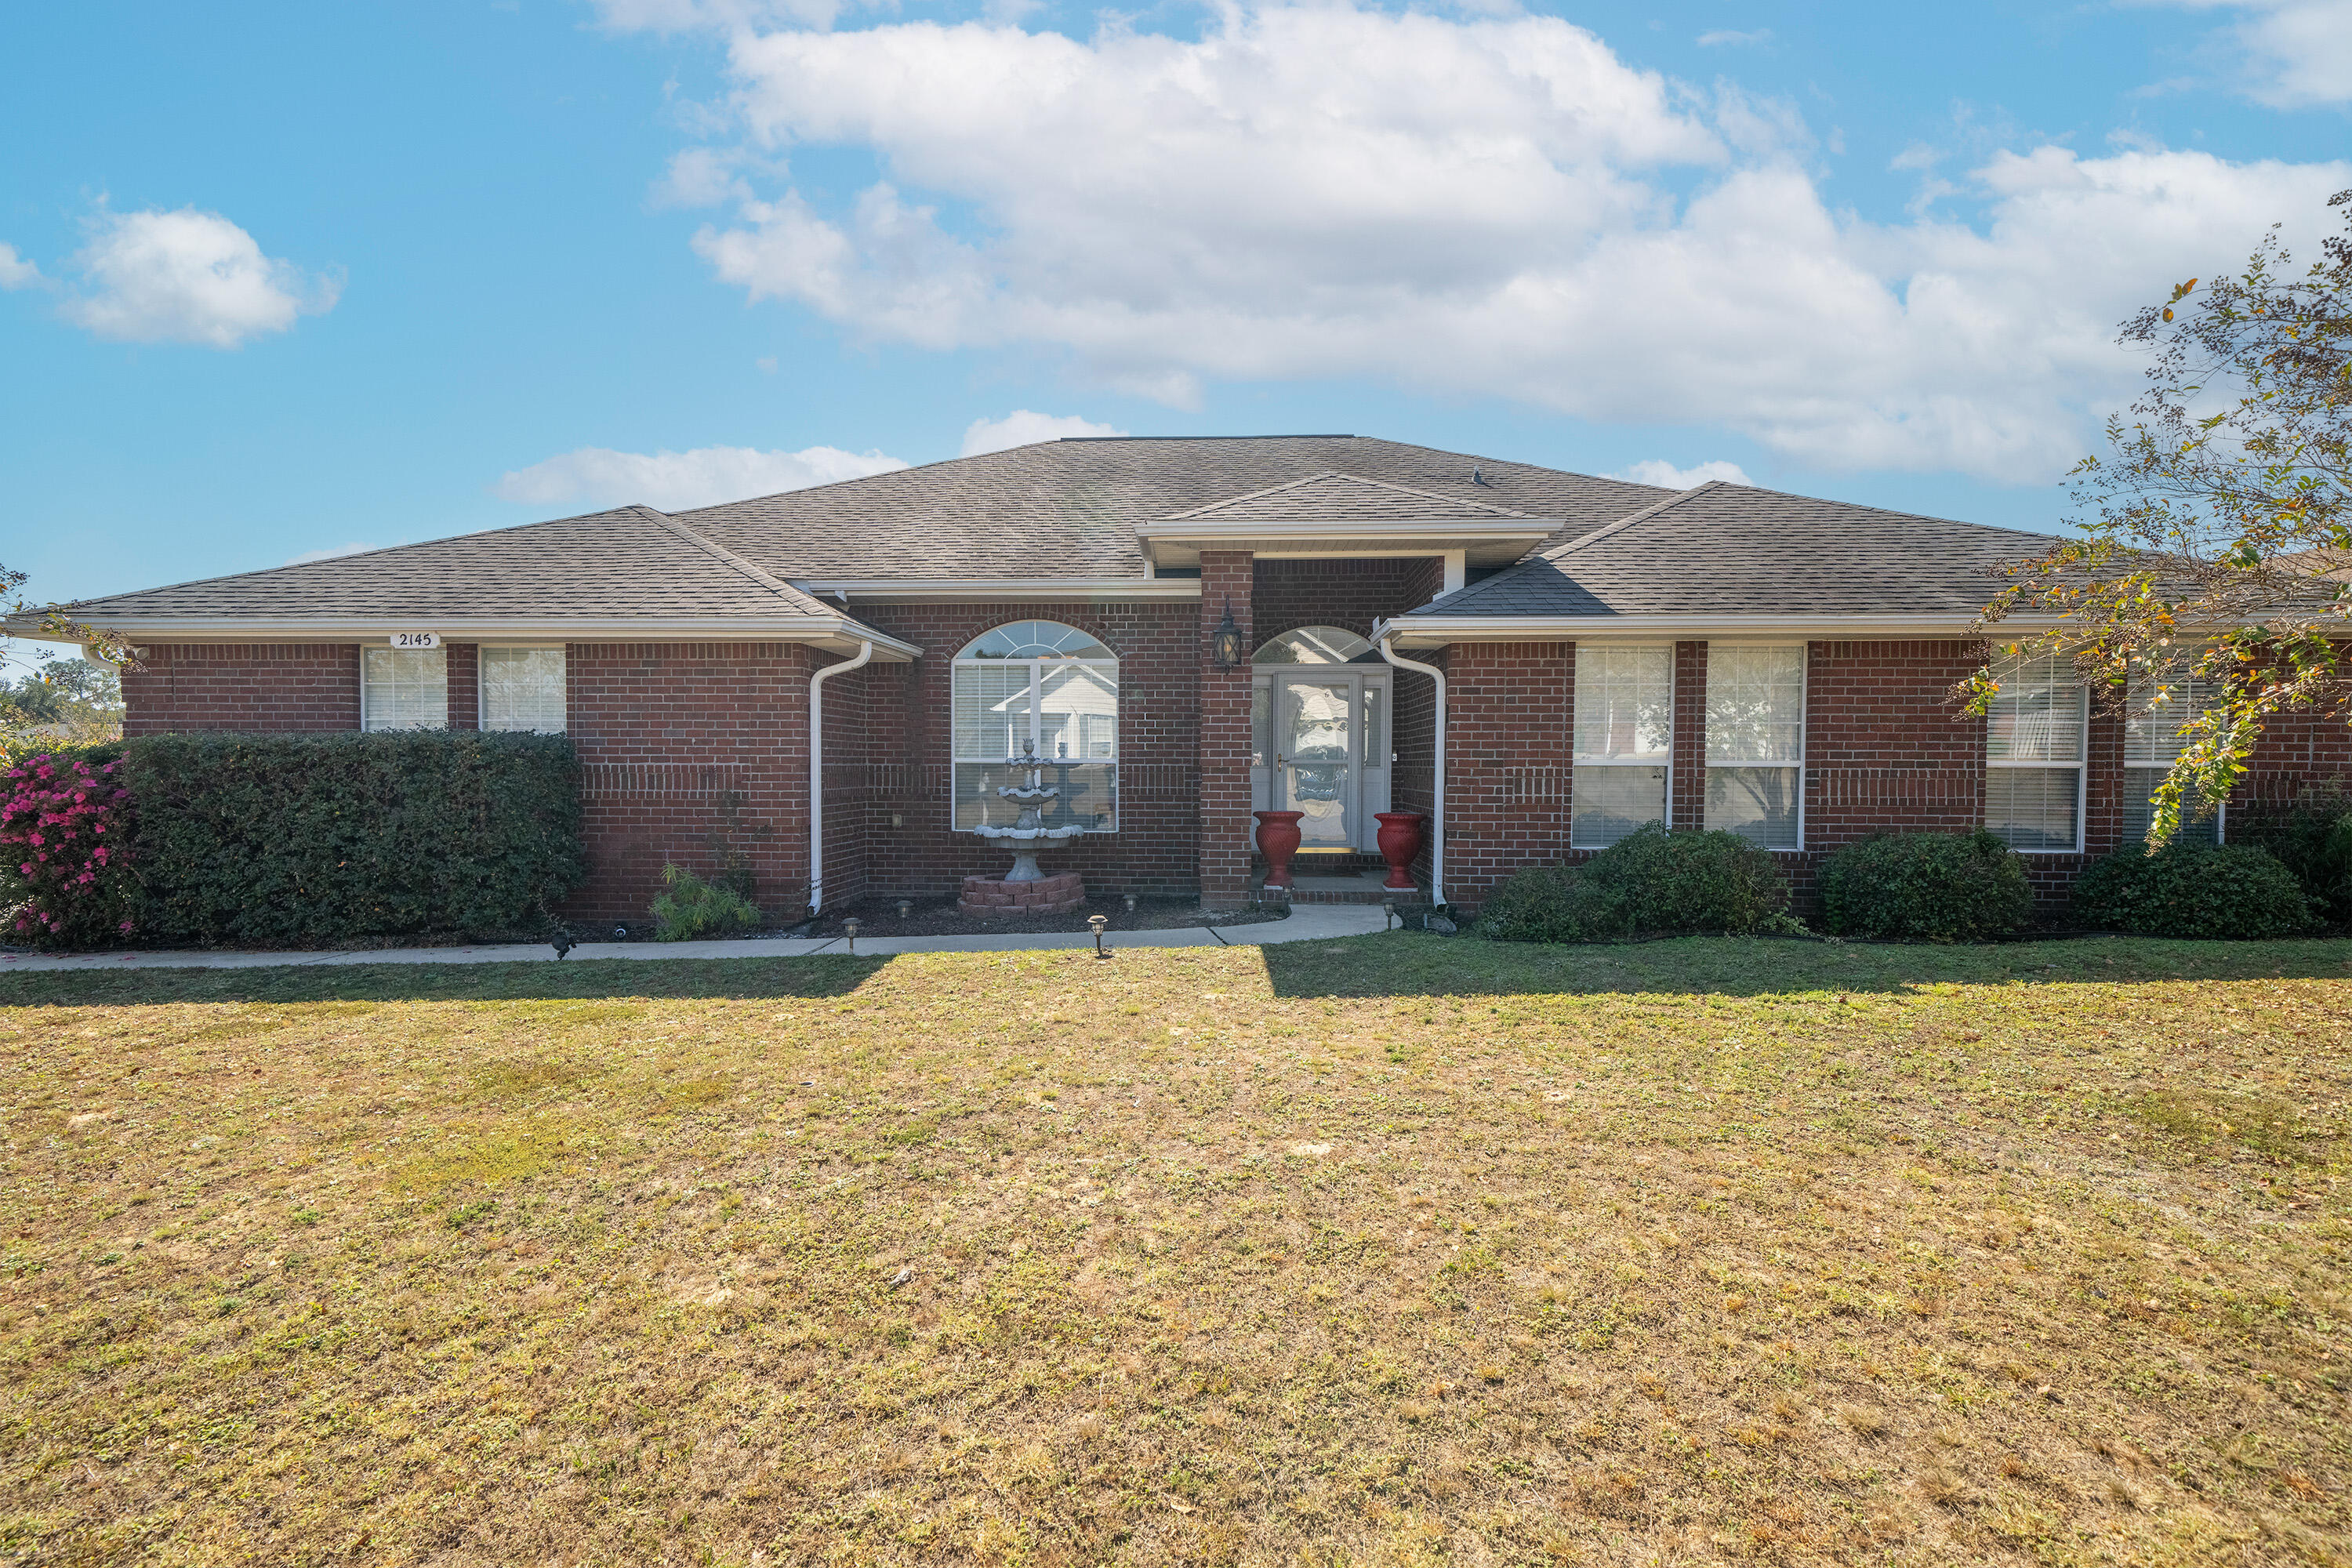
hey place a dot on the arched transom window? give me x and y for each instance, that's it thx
(1312, 645)
(1036, 694)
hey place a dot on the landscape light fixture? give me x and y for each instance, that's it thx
(1225, 642)
(1098, 921)
(850, 927)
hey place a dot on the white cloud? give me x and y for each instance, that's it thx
(1482, 207)
(2289, 54)
(16, 272)
(328, 553)
(699, 177)
(1656, 471)
(188, 277)
(675, 481)
(1022, 427)
(1722, 36)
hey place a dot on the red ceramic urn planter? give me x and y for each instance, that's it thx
(1277, 840)
(1399, 842)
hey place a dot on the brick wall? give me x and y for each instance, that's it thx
(1686, 779)
(1350, 595)
(1507, 757)
(261, 687)
(900, 771)
(463, 662)
(1228, 580)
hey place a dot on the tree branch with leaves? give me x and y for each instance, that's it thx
(20, 710)
(2213, 546)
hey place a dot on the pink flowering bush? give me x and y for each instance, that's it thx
(65, 852)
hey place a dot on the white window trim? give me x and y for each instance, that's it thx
(1574, 762)
(365, 728)
(2081, 765)
(1804, 736)
(1036, 725)
(481, 691)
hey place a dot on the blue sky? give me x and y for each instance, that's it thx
(289, 278)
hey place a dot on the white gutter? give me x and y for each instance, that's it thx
(949, 589)
(1437, 834)
(816, 772)
(834, 632)
(1438, 629)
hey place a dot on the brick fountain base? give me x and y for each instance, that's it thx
(1052, 895)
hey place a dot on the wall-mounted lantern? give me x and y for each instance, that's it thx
(1225, 642)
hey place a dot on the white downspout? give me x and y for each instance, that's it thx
(1437, 839)
(816, 770)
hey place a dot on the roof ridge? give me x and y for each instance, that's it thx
(718, 551)
(1351, 479)
(1629, 519)
(1557, 551)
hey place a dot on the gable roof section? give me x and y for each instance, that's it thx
(1346, 499)
(1722, 550)
(631, 564)
(1070, 509)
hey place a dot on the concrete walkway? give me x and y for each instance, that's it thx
(1308, 922)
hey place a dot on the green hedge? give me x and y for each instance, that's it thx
(2194, 890)
(1926, 887)
(2313, 838)
(1650, 883)
(269, 839)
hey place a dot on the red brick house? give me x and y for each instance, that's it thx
(1548, 659)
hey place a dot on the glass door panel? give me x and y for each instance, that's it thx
(1315, 765)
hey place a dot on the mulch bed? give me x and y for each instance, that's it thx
(879, 917)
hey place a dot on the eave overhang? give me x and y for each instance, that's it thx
(1496, 541)
(911, 591)
(834, 634)
(1428, 631)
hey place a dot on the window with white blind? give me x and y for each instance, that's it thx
(2033, 755)
(522, 689)
(2159, 704)
(1036, 694)
(1624, 741)
(403, 689)
(1756, 743)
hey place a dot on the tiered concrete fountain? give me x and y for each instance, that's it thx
(1027, 889)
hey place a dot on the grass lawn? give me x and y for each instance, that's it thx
(1385, 1250)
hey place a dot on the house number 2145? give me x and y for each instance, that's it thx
(417, 639)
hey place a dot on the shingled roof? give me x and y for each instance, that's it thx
(632, 563)
(1347, 498)
(1733, 550)
(1069, 509)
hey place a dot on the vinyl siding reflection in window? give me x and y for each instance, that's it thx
(403, 689)
(2034, 756)
(1756, 743)
(522, 689)
(1625, 738)
(2160, 704)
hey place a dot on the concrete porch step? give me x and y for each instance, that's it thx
(1340, 887)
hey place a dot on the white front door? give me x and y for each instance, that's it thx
(1320, 747)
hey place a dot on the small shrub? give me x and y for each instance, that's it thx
(2194, 890)
(1926, 887)
(65, 839)
(1551, 903)
(2313, 838)
(1653, 882)
(692, 909)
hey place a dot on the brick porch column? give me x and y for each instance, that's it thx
(1226, 580)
